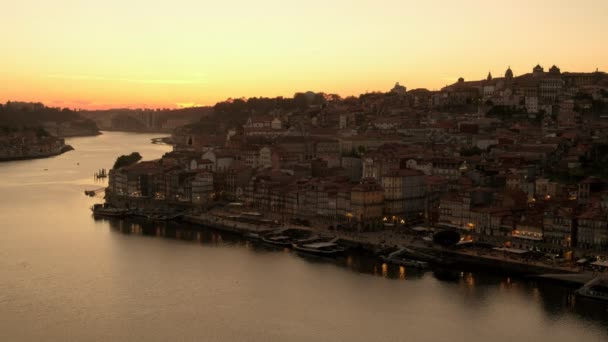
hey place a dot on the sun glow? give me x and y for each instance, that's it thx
(92, 54)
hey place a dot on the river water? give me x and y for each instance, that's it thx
(67, 277)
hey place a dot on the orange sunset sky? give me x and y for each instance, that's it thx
(106, 54)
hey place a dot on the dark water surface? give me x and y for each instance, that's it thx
(67, 277)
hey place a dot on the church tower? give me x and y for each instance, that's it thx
(509, 74)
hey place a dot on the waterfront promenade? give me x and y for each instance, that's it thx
(379, 241)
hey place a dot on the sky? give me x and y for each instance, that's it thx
(169, 54)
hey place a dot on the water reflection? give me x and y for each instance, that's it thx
(477, 288)
(353, 261)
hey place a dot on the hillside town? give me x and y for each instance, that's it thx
(30, 144)
(31, 130)
(517, 161)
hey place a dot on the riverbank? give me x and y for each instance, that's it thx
(381, 242)
(64, 149)
(373, 242)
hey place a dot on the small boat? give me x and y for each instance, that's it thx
(594, 292)
(163, 217)
(406, 262)
(278, 240)
(252, 236)
(326, 249)
(99, 209)
(138, 213)
(595, 289)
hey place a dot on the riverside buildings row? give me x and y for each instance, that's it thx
(514, 161)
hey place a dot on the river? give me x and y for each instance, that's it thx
(67, 277)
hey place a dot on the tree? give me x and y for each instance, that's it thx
(300, 100)
(41, 132)
(126, 160)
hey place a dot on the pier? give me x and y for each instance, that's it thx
(92, 193)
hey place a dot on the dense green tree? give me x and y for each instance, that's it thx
(126, 160)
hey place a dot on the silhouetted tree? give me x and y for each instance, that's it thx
(126, 160)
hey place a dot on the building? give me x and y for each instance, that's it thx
(404, 193)
(202, 188)
(367, 201)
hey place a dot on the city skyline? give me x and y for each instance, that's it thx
(95, 56)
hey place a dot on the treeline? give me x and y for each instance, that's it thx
(33, 114)
(240, 109)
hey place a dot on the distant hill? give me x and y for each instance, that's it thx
(56, 121)
(146, 120)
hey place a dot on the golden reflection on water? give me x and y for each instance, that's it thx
(402, 272)
(470, 280)
(536, 294)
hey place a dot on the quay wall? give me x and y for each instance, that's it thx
(129, 202)
(449, 258)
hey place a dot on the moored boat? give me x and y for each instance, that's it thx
(594, 292)
(406, 262)
(252, 236)
(326, 249)
(278, 240)
(99, 209)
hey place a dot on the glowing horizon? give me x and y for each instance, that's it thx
(93, 55)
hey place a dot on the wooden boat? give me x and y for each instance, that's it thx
(252, 236)
(99, 209)
(406, 262)
(278, 240)
(325, 249)
(597, 293)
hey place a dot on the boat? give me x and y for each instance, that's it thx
(594, 292)
(139, 213)
(278, 240)
(164, 217)
(597, 289)
(252, 236)
(406, 262)
(99, 209)
(325, 249)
